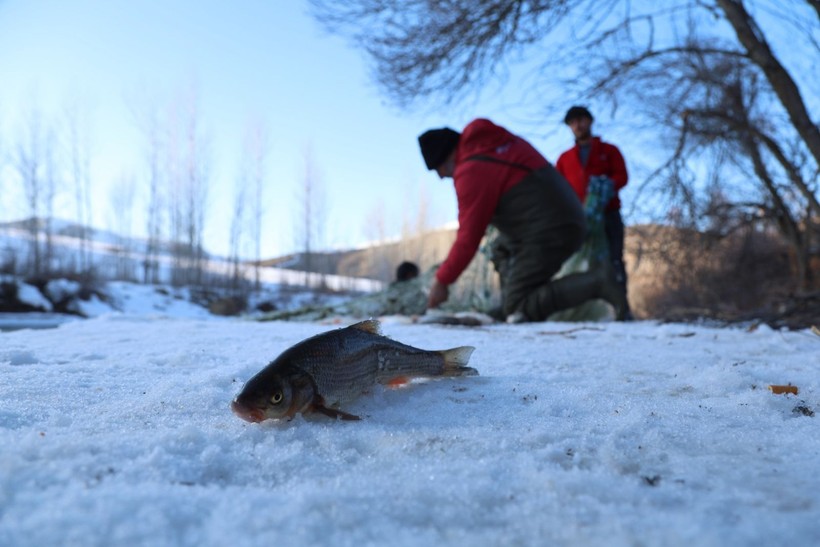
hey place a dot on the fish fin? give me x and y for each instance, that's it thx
(455, 361)
(370, 325)
(303, 390)
(398, 381)
(334, 413)
(318, 405)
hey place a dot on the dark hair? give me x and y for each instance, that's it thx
(436, 145)
(406, 271)
(577, 112)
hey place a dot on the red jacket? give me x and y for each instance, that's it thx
(480, 184)
(604, 159)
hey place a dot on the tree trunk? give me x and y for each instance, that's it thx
(788, 226)
(783, 85)
(816, 5)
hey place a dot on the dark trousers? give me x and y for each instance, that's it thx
(523, 268)
(614, 228)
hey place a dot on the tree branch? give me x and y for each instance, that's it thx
(783, 85)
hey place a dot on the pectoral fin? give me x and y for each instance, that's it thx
(334, 413)
(318, 405)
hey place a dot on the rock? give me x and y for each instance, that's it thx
(228, 307)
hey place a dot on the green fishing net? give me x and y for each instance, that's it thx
(594, 251)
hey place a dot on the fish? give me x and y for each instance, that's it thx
(324, 372)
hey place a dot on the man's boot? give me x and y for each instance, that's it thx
(612, 291)
(619, 271)
(571, 291)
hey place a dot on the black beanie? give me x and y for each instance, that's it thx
(436, 145)
(576, 112)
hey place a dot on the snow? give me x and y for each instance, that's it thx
(116, 430)
(60, 289)
(92, 307)
(146, 300)
(30, 295)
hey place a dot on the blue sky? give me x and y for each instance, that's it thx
(250, 59)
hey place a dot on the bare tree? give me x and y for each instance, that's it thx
(257, 146)
(248, 210)
(718, 109)
(79, 152)
(33, 162)
(445, 49)
(197, 181)
(122, 196)
(149, 122)
(449, 49)
(758, 51)
(188, 170)
(383, 257)
(5, 157)
(249, 201)
(415, 225)
(311, 218)
(155, 204)
(238, 226)
(50, 184)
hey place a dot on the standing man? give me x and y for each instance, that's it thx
(500, 179)
(592, 157)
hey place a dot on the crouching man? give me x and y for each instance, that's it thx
(501, 179)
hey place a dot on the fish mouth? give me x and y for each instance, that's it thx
(253, 415)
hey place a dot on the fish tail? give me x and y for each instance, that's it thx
(455, 361)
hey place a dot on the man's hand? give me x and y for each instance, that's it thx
(438, 294)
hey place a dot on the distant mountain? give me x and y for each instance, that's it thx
(70, 234)
(66, 228)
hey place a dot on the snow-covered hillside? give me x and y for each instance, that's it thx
(113, 256)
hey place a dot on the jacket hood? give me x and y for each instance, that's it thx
(482, 136)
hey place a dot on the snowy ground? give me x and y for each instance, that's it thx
(117, 431)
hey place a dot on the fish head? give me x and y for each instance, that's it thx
(273, 396)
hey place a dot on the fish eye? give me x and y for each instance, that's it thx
(276, 398)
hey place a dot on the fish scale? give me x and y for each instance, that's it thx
(345, 366)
